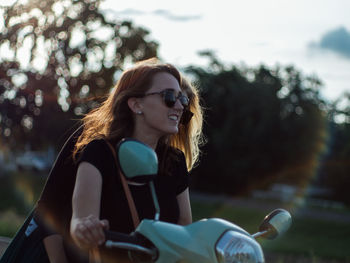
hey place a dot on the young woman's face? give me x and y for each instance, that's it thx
(157, 118)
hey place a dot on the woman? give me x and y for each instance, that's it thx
(152, 103)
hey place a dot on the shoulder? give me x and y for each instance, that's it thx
(179, 169)
(96, 147)
(170, 155)
(97, 153)
(175, 161)
(98, 144)
(176, 155)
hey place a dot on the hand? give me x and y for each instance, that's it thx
(87, 232)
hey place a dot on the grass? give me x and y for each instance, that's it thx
(18, 194)
(10, 222)
(308, 238)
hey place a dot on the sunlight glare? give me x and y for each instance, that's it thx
(7, 2)
(24, 189)
(78, 37)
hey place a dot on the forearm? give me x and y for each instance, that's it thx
(86, 228)
(55, 249)
(185, 215)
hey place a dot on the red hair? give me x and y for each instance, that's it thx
(113, 120)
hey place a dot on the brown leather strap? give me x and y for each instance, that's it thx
(95, 256)
(131, 203)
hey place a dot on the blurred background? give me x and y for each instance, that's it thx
(274, 80)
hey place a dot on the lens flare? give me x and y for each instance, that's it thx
(25, 190)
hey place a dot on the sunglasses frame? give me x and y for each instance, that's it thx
(171, 103)
(186, 115)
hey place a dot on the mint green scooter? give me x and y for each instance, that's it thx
(206, 241)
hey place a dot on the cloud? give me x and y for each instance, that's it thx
(160, 12)
(337, 40)
(182, 18)
(131, 11)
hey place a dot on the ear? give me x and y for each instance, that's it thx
(135, 105)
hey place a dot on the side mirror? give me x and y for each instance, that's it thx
(275, 224)
(138, 162)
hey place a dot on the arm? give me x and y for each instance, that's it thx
(86, 228)
(183, 200)
(54, 249)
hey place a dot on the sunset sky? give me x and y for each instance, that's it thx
(312, 35)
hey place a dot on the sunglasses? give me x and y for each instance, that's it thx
(169, 97)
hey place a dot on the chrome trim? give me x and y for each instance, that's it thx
(155, 201)
(259, 234)
(231, 237)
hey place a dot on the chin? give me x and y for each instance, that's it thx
(172, 131)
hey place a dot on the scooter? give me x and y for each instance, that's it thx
(211, 240)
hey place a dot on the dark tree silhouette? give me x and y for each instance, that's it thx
(335, 167)
(54, 55)
(263, 125)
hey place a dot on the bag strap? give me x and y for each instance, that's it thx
(131, 203)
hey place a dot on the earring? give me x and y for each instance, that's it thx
(139, 112)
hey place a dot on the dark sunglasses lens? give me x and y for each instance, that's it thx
(169, 98)
(184, 100)
(186, 117)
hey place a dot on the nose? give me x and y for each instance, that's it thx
(178, 105)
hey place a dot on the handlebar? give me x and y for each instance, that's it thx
(131, 242)
(121, 237)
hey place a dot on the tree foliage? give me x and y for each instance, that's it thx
(335, 170)
(54, 55)
(262, 124)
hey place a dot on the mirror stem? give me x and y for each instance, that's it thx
(155, 201)
(259, 234)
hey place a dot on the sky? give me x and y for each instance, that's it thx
(312, 35)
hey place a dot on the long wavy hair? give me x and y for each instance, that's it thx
(113, 119)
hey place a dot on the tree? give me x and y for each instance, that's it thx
(336, 164)
(54, 56)
(262, 125)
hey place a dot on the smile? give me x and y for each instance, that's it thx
(174, 117)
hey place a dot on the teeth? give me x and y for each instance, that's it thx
(173, 117)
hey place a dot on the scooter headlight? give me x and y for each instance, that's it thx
(234, 247)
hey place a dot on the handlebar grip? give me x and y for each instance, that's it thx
(132, 242)
(121, 237)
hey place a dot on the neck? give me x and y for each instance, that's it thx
(150, 140)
